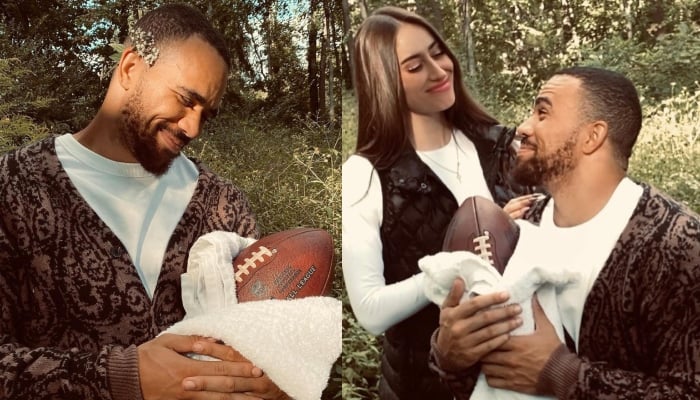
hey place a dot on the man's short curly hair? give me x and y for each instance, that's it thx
(611, 97)
(173, 22)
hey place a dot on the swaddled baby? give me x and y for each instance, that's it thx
(272, 334)
(528, 271)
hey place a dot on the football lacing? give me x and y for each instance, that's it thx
(482, 247)
(251, 262)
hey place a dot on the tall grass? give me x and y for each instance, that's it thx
(667, 156)
(667, 153)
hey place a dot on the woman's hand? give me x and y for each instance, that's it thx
(518, 206)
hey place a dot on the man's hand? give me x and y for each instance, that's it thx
(470, 330)
(263, 387)
(517, 364)
(163, 367)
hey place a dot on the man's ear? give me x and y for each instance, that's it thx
(129, 68)
(596, 134)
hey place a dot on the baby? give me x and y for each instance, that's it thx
(530, 270)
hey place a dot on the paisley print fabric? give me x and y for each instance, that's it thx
(73, 306)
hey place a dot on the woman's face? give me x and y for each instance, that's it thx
(426, 70)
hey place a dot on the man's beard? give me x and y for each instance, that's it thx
(543, 170)
(142, 141)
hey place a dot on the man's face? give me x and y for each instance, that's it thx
(550, 135)
(170, 103)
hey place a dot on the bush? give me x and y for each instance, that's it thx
(651, 67)
(17, 130)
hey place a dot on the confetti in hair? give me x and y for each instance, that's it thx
(145, 45)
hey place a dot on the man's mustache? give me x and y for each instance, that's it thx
(180, 134)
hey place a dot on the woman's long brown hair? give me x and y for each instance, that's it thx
(384, 123)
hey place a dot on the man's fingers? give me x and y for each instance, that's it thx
(455, 294)
(486, 330)
(495, 382)
(497, 370)
(227, 368)
(222, 384)
(221, 351)
(179, 343)
(491, 344)
(480, 303)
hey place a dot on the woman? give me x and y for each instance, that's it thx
(424, 145)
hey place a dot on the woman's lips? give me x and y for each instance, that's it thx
(441, 87)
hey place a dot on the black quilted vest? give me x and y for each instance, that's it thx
(417, 207)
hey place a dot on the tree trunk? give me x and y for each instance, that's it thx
(469, 39)
(274, 90)
(349, 44)
(311, 56)
(329, 53)
(628, 12)
(364, 11)
(322, 68)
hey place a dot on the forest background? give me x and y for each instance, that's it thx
(508, 48)
(277, 136)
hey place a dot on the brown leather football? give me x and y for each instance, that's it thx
(482, 227)
(289, 264)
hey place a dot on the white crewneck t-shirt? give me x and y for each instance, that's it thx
(141, 209)
(585, 248)
(376, 305)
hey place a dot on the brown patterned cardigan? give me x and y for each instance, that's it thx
(640, 331)
(73, 306)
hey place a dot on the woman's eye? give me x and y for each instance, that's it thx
(414, 68)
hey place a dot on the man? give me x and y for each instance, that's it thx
(95, 229)
(634, 319)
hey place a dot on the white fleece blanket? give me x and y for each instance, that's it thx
(295, 342)
(528, 272)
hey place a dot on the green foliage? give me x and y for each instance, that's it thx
(47, 40)
(286, 172)
(669, 62)
(18, 130)
(361, 354)
(667, 153)
(15, 98)
(64, 52)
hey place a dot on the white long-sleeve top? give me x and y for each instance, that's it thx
(376, 305)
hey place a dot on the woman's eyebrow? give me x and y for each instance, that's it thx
(411, 57)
